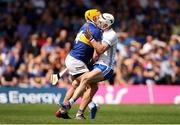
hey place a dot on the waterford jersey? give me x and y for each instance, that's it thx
(107, 58)
(82, 48)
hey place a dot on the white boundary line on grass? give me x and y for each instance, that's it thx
(89, 124)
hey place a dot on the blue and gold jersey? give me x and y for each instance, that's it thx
(82, 49)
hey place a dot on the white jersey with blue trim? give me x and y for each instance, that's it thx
(108, 57)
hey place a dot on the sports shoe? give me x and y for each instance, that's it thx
(93, 112)
(65, 107)
(62, 115)
(80, 116)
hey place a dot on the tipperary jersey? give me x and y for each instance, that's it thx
(82, 48)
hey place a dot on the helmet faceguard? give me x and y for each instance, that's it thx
(106, 20)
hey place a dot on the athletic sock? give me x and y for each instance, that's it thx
(91, 105)
(71, 101)
(79, 112)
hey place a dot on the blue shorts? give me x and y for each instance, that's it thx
(107, 71)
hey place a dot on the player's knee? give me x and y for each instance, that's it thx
(75, 84)
(94, 86)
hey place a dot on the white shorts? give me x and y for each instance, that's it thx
(75, 66)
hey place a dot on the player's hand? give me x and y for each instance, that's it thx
(88, 34)
(54, 79)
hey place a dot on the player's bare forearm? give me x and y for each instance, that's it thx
(98, 46)
(95, 57)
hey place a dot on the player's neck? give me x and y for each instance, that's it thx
(107, 29)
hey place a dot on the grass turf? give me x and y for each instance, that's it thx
(108, 114)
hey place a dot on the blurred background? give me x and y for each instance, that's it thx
(36, 36)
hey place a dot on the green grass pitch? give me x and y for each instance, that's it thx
(108, 114)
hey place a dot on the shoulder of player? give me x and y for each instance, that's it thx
(110, 34)
(92, 26)
(111, 31)
(95, 29)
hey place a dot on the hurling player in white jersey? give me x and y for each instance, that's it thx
(107, 58)
(102, 69)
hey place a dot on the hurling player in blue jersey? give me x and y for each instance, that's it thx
(102, 68)
(77, 61)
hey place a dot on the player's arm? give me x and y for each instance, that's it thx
(98, 45)
(95, 56)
